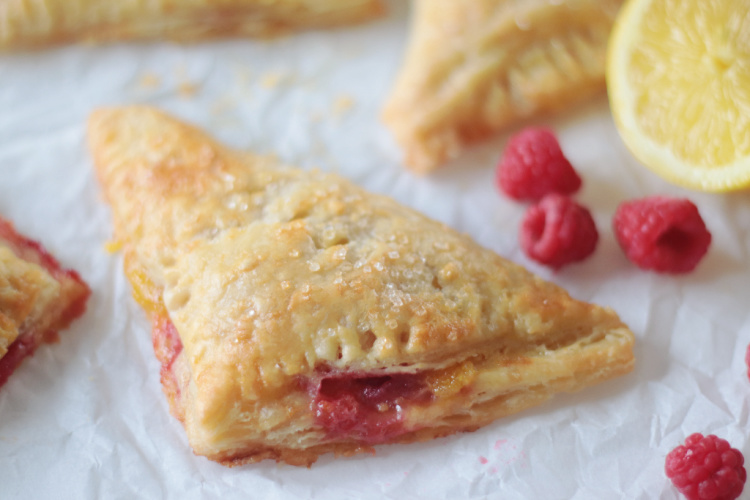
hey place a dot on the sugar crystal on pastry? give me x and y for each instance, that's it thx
(406, 331)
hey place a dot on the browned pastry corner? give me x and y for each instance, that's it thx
(296, 314)
(474, 67)
(34, 23)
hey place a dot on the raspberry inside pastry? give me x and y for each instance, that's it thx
(37, 298)
(295, 314)
(366, 408)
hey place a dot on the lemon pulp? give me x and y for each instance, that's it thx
(678, 75)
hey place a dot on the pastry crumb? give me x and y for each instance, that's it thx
(273, 79)
(187, 89)
(223, 104)
(149, 81)
(112, 246)
(342, 105)
(243, 76)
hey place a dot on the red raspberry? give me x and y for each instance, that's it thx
(533, 165)
(706, 468)
(557, 231)
(663, 234)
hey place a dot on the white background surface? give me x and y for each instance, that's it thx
(86, 418)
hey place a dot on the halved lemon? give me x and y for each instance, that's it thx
(678, 78)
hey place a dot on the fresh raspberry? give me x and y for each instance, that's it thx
(706, 468)
(533, 165)
(666, 235)
(557, 231)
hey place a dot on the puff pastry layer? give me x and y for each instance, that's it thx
(295, 314)
(476, 66)
(31, 23)
(37, 298)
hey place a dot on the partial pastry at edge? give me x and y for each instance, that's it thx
(475, 67)
(35, 23)
(295, 314)
(37, 298)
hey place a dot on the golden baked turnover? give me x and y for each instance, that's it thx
(33, 23)
(295, 314)
(37, 298)
(474, 67)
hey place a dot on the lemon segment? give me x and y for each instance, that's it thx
(678, 78)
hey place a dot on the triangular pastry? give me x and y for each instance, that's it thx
(37, 298)
(295, 314)
(475, 66)
(31, 23)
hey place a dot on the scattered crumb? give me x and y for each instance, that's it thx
(112, 246)
(187, 89)
(342, 104)
(273, 79)
(180, 71)
(243, 76)
(223, 104)
(483, 460)
(149, 81)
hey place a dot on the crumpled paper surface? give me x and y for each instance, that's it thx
(86, 419)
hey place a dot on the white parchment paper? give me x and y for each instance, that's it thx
(86, 419)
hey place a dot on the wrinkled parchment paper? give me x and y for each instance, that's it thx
(86, 419)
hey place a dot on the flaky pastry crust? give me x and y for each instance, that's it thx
(262, 280)
(475, 67)
(34, 23)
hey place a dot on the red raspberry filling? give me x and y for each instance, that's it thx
(558, 231)
(533, 165)
(661, 234)
(167, 347)
(368, 408)
(20, 349)
(706, 468)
